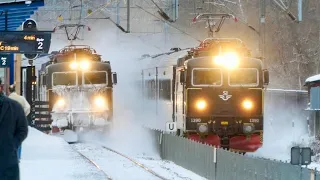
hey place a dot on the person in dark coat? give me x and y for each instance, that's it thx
(13, 131)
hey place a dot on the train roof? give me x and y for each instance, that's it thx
(213, 46)
(203, 61)
(73, 48)
(315, 78)
(105, 64)
(66, 54)
(164, 60)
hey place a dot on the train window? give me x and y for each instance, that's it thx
(243, 77)
(95, 77)
(207, 77)
(64, 78)
(150, 89)
(153, 89)
(165, 89)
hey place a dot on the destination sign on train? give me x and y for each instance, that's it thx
(25, 42)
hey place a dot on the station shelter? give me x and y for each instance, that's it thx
(313, 85)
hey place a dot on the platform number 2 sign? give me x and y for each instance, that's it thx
(4, 62)
(40, 43)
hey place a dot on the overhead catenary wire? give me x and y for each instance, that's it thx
(169, 24)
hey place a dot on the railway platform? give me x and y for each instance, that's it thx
(48, 157)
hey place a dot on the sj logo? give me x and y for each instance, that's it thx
(225, 96)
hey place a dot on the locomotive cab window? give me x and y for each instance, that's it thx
(64, 78)
(244, 77)
(206, 77)
(97, 77)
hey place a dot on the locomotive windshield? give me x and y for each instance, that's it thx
(64, 78)
(243, 77)
(207, 76)
(98, 77)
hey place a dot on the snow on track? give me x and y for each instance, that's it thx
(140, 147)
(119, 167)
(115, 165)
(95, 164)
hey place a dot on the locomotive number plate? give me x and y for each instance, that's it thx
(254, 120)
(195, 120)
(224, 122)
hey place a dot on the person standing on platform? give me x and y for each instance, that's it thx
(24, 103)
(13, 131)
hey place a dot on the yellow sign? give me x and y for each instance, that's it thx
(29, 38)
(224, 122)
(8, 48)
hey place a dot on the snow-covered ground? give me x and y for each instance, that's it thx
(51, 158)
(48, 157)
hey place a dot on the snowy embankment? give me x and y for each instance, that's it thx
(51, 158)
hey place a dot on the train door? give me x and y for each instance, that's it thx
(179, 102)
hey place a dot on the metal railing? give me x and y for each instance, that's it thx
(218, 164)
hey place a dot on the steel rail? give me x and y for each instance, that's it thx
(136, 162)
(94, 163)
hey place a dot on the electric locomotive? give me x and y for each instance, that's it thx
(79, 88)
(214, 94)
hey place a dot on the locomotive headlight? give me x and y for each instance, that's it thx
(247, 104)
(84, 65)
(218, 59)
(100, 102)
(229, 60)
(201, 104)
(74, 65)
(61, 102)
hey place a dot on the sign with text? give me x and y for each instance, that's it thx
(301, 156)
(171, 127)
(4, 61)
(25, 42)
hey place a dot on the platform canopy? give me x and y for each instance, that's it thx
(18, 12)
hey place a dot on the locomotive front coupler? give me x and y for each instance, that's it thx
(225, 142)
(224, 138)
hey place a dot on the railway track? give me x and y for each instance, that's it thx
(94, 163)
(107, 173)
